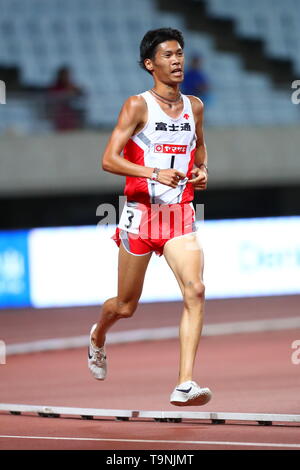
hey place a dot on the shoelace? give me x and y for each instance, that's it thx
(99, 355)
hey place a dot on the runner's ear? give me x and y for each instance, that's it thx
(148, 65)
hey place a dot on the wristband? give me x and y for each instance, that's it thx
(155, 174)
(203, 164)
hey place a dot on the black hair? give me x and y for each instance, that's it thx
(153, 38)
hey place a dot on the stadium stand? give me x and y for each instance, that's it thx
(274, 21)
(99, 41)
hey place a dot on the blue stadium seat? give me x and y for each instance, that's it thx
(99, 40)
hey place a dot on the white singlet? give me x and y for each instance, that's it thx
(164, 142)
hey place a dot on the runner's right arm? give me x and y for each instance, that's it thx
(132, 117)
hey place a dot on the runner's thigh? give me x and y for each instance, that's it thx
(131, 274)
(185, 257)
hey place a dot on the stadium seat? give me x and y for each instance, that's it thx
(99, 41)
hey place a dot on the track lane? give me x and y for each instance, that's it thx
(247, 373)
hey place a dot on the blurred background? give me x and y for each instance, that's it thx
(67, 66)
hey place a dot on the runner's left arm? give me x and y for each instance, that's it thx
(200, 172)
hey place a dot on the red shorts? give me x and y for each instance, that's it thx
(146, 228)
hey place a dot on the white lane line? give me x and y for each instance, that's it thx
(148, 334)
(157, 441)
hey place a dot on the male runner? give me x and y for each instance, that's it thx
(161, 136)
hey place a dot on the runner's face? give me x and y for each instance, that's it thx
(168, 62)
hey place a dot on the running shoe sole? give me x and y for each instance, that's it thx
(202, 399)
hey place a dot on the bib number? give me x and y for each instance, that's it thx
(130, 219)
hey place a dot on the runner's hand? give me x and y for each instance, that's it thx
(170, 177)
(200, 180)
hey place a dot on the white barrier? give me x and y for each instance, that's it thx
(161, 416)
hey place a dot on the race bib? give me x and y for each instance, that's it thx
(130, 219)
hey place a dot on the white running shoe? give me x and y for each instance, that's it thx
(96, 359)
(190, 394)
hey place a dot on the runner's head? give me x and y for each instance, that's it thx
(161, 54)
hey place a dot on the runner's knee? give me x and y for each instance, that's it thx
(194, 292)
(126, 309)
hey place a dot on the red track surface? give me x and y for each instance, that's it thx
(21, 325)
(247, 373)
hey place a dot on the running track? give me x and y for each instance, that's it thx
(247, 372)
